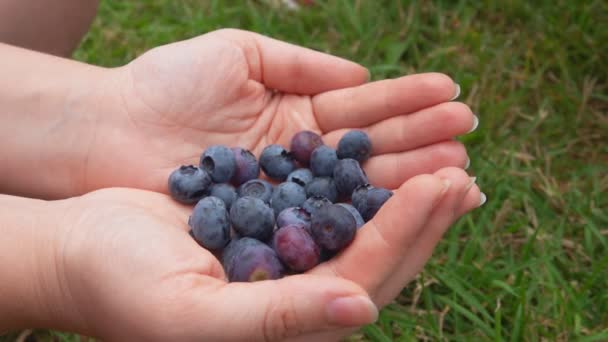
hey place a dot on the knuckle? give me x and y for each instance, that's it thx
(281, 319)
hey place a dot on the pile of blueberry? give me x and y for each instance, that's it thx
(264, 231)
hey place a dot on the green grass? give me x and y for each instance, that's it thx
(532, 264)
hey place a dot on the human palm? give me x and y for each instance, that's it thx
(130, 271)
(241, 89)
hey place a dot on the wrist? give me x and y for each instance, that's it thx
(34, 293)
(52, 106)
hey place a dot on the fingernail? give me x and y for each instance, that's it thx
(369, 75)
(456, 92)
(470, 183)
(475, 123)
(467, 164)
(446, 186)
(352, 311)
(482, 199)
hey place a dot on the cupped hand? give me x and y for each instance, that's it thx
(239, 88)
(129, 270)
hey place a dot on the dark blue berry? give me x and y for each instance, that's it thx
(333, 227)
(286, 195)
(322, 161)
(368, 200)
(313, 203)
(293, 215)
(300, 176)
(219, 162)
(322, 186)
(225, 192)
(251, 217)
(348, 175)
(257, 188)
(247, 167)
(188, 184)
(355, 145)
(276, 162)
(358, 219)
(210, 224)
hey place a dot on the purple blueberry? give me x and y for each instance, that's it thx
(313, 203)
(257, 188)
(225, 192)
(322, 186)
(251, 217)
(300, 176)
(188, 184)
(348, 175)
(296, 248)
(233, 248)
(219, 162)
(247, 167)
(276, 162)
(210, 224)
(293, 215)
(254, 262)
(358, 219)
(302, 145)
(322, 161)
(368, 200)
(287, 195)
(355, 145)
(333, 227)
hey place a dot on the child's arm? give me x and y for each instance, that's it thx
(46, 122)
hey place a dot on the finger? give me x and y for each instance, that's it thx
(279, 309)
(294, 69)
(389, 234)
(391, 170)
(444, 214)
(366, 104)
(427, 126)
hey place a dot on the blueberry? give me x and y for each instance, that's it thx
(247, 167)
(188, 184)
(355, 145)
(219, 162)
(302, 145)
(322, 161)
(276, 162)
(251, 217)
(322, 186)
(286, 195)
(327, 255)
(300, 176)
(368, 200)
(296, 248)
(225, 192)
(348, 175)
(358, 219)
(333, 227)
(293, 215)
(254, 262)
(233, 248)
(257, 188)
(313, 203)
(209, 223)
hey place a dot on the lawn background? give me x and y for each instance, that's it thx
(532, 264)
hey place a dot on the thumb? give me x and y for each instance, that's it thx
(278, 309)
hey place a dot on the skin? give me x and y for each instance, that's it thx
(55, 28)
(118, 263)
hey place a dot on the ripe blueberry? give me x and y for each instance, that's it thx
(219, 162)
(276, 162)
(209, 223)
(188, 184)
(355, 145)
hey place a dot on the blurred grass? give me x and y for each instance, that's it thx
(532, 264)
